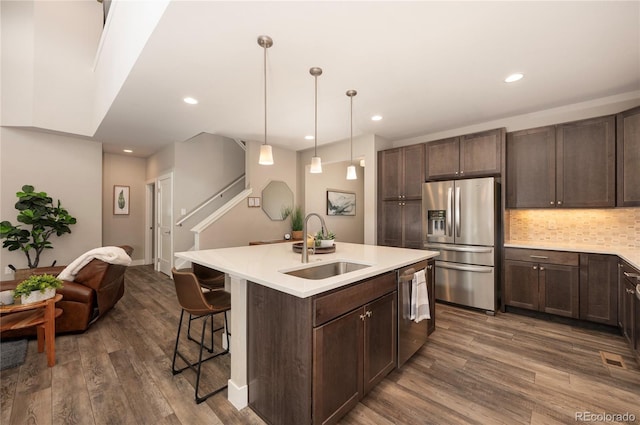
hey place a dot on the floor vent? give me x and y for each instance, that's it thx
(610, 359)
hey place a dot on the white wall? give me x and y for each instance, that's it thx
(243, 224)
(48, 49)
(333, 177)
(68, 168)
(566, 113)
(124, 170)
(204, 165)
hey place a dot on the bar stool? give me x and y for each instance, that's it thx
(212, 280)
(203, 305)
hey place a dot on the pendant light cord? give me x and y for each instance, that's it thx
(351, 136)
(315, 134)
(265, 94)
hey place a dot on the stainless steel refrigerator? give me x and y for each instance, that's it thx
(460, 219)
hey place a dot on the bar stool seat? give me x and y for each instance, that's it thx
(199, 305)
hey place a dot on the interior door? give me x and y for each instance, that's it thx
(164, 224)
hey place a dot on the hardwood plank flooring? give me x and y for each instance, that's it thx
(475, 369)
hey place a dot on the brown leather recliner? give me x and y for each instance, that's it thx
(95, 290)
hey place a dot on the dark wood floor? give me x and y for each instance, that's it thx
(474, 369)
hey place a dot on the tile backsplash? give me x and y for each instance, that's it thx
(619, 226)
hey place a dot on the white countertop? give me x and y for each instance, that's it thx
(264, 264)
(630, 255)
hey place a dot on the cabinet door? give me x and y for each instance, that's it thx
(531, 168)
(390, 173)
(521, 284)
(628, 151)
(380, 350)
(480, 154)
(443, 159)
(337, 367)
(585, 163)
(412, 224)
(390, 224)
(558, 289)
(599, 288)
(413, 171)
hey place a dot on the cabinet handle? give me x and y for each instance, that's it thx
(559, 202)
(430, 266)
(630, 291)
(636, 275)
(369, 313)
(551, 202)
(363, 316)
(535, 267)
(541, 268)
(456, 173)
(539, 256)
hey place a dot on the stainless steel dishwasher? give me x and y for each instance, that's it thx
(411, 335)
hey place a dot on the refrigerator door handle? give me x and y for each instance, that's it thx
(466, 249)
(449, 209)
(457, 213)
(476, 269)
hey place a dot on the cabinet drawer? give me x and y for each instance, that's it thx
(542, 256)
(330, 306)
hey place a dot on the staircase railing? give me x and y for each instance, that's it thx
(209, 200)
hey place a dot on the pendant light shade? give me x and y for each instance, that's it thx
(266, 154)
(316, 162)
(351, 169)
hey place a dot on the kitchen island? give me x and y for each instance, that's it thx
(266, 266)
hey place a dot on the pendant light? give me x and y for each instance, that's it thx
(266, 154)
(316, 163)
(351, 169)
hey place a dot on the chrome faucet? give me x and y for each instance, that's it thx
(305, 248)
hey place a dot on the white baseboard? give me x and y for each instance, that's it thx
(238, 396)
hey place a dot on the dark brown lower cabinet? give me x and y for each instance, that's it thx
(547, 281)
(312, 359)
(352, 354)
(599, 288)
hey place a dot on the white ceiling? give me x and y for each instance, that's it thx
(424, 66)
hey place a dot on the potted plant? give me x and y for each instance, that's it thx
(297, 221)
(37, 288)
(37, 210)
(325, 241)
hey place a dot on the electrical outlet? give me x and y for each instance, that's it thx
(183, 211)
(7, 270)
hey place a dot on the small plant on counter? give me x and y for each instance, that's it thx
(324, 241)
(297, 220)
(37, 283)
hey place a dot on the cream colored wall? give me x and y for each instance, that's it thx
(204, 165)
(123, 170)
(67, 168)
(161, 162)
(243, 224)
(619, 226)
(333, 177)
(364, 147)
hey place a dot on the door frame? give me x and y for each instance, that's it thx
(158, 210)
(150, 222)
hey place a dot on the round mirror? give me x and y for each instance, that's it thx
(276, 198)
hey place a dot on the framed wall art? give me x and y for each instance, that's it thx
(121, 200)
(341, 203)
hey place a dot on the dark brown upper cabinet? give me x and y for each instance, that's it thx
(570, 165)
(401, 173)
(472, 155)
(628, 164)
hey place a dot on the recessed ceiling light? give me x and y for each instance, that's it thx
(308, 137)
(127, 150)
(190, 101)
(514, 77)
(376, 118)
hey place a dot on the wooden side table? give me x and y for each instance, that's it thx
(41, 314)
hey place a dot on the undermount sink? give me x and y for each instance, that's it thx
(325, 270)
